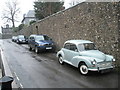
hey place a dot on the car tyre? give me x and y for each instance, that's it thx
(53, 50)
(60, 59)
(30, 48)
(36, 50)
(83, 69)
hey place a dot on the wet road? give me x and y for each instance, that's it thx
(42, 70)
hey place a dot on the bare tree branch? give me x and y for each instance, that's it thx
(11, 12)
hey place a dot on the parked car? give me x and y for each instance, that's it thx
(21, 39)
(40, 43)
(84, 55)
(14, 38)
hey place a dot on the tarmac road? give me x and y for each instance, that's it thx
(42, 70)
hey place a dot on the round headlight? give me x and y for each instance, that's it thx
(41, 45)
(93, 62)
(20, 40)
(113, 60)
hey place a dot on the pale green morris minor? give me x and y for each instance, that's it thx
(84, 55)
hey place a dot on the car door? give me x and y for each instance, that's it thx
(70, 50)
(31, 42)
(73, 52)
(66, 51)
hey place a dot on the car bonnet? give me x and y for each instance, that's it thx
(94, 54)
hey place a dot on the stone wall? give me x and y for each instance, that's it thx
(6, 36)
(97, 22)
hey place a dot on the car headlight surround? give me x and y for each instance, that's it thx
(52, 43)
(93, 62)
(113, 59)
(40, 44)
(20, 40)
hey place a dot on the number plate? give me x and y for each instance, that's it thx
(48, 47)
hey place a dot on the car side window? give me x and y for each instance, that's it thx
(73, 47)
(81, 47)
(46, 38)
(67, 46)
(31, 38)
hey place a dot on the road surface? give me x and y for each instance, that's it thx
(32, 70)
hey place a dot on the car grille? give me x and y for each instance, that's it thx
(104, 64)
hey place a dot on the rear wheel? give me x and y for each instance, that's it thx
(83, 69)
(60, 59)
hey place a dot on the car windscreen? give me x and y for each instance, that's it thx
(38, 38)
(86, 46)
(21, 37)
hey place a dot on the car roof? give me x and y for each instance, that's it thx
(14, 36)
(37, 35)
(78, 41)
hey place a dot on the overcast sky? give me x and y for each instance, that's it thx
(24, 6)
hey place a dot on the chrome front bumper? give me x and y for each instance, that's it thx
(99, 69)
(102, 66)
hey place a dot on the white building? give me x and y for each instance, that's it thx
(6, 32)
(27, 18)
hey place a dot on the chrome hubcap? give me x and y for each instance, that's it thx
(83, 69)
(36, 50)
(60, 60)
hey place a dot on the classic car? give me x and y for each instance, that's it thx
(84, 55)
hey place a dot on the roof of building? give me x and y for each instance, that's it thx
(31, 13)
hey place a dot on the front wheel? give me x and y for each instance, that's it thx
(30, 48)
(36, 50)
(83, 69)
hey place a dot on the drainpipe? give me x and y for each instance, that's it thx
(37, 29)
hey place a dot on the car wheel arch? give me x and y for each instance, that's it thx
(83, 68)
(81, 62)
(35, 46)
(59, 55)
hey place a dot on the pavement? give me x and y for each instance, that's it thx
(7, 70)
(0, 73)
(0, 70)
(0, 76)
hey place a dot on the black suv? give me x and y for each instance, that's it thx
(40, 43)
